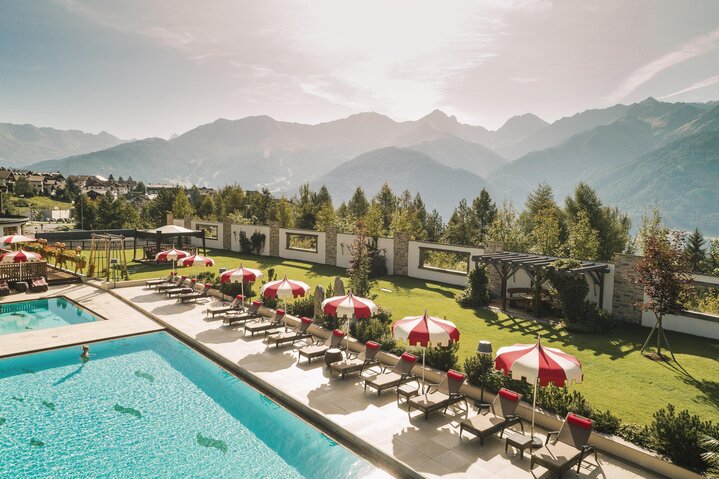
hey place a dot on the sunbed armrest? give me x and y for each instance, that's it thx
(550, 434)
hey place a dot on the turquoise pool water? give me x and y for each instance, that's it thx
(148, 407)
(47, 313)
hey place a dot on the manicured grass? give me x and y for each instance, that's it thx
(617, 376)
(39, 203)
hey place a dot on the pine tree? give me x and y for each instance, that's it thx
(433, 227)
(695, 252)
(583, 241)
(462, 226)
(181, 205)
(387, 202)
(358, 204)
(359, 267)
(485, 211)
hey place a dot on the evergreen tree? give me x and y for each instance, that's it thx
(206, 210)
(695, 252)
(307, 208)
(462, 228)
(360, 263)
(358, 204)
(485, 211)
(545, 235)
(433, 227)
(181, 205)
(282, 213)
(505, 228)
(387, 202)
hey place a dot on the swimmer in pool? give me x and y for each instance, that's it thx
(85, 356)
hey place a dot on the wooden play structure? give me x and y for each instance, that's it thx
(107, 257)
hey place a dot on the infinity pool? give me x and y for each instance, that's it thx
(149, 406)
(46, 313)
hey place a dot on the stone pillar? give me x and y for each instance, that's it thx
(274, 238)
(170, 218)
(331, 245)
(188, 222)
(227, 234)
(626, 293)
(401, 253)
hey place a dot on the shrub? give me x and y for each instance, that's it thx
(245, 244)
(377, 259)
(443, 358)
(257, 242)
(639, 435)
(302, 307)
(329, 322)
(476, 293)
(270, 302)
(678, 436)
(561, 400)
(606, 422)
(595, 320)
(373, 330)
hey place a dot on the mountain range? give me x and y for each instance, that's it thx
(636, 156)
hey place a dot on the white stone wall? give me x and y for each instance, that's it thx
(318, 257)
(249, 230)
(209, 243)
(414, 271)
(386, 245)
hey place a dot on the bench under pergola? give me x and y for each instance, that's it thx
(507, 264)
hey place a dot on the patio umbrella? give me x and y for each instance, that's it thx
(10, 239)
(171, 229)
(241, 275)
(20, 256)
(196, 260)
(425, 330)
(284, 289)
(539, 365)
(171, 255)
(349, 306)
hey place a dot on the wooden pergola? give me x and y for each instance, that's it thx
(507, 264)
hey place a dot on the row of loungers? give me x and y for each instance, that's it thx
(182, 288)
(562, 450)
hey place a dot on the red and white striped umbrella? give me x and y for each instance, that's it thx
(240, 275)
(425, 330)
(20, 256)
(171, 255)
(10, 239)
(539, 365)
(196, 260)
(284, 289)
(349, 306)
(535, 362)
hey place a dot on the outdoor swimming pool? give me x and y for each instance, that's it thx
(37, 314)
(149, 406)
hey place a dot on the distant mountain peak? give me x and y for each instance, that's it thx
(439, 115)
(650, 100)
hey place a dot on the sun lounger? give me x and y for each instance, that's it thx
(318, 350)
(446, 394)
(177, 281)
(156, 282)
(38, 285)
(297, 333)
(400, 374)
(569, 447)
(252, 313)
(236, 305)
(195, 295)
(4, 288)
(365, 359)
(181, 289)
(500, 416)
(277, 321)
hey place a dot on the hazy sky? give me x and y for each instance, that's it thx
(140, 68)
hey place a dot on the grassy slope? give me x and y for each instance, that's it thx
(39, 202)
(617, 377)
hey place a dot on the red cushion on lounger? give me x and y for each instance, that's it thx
(409, 357)
(305, 319)
(579, 421)
(510, 395)
(194, 279)
(456, 376)
(208, 285)
(257, 303)
(338, 333)
(183, 277)
(280, 312)
(239, 296)
(373, 345)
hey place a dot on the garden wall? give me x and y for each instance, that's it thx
(417, 268)
(249, 230)
(385, 245)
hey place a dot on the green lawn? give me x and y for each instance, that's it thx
(616, 376)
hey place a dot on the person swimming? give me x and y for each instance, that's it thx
(85, 356)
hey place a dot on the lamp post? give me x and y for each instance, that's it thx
(484, 351)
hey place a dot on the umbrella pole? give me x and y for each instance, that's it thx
(423, 350)
(242, 292)
(534, 407)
